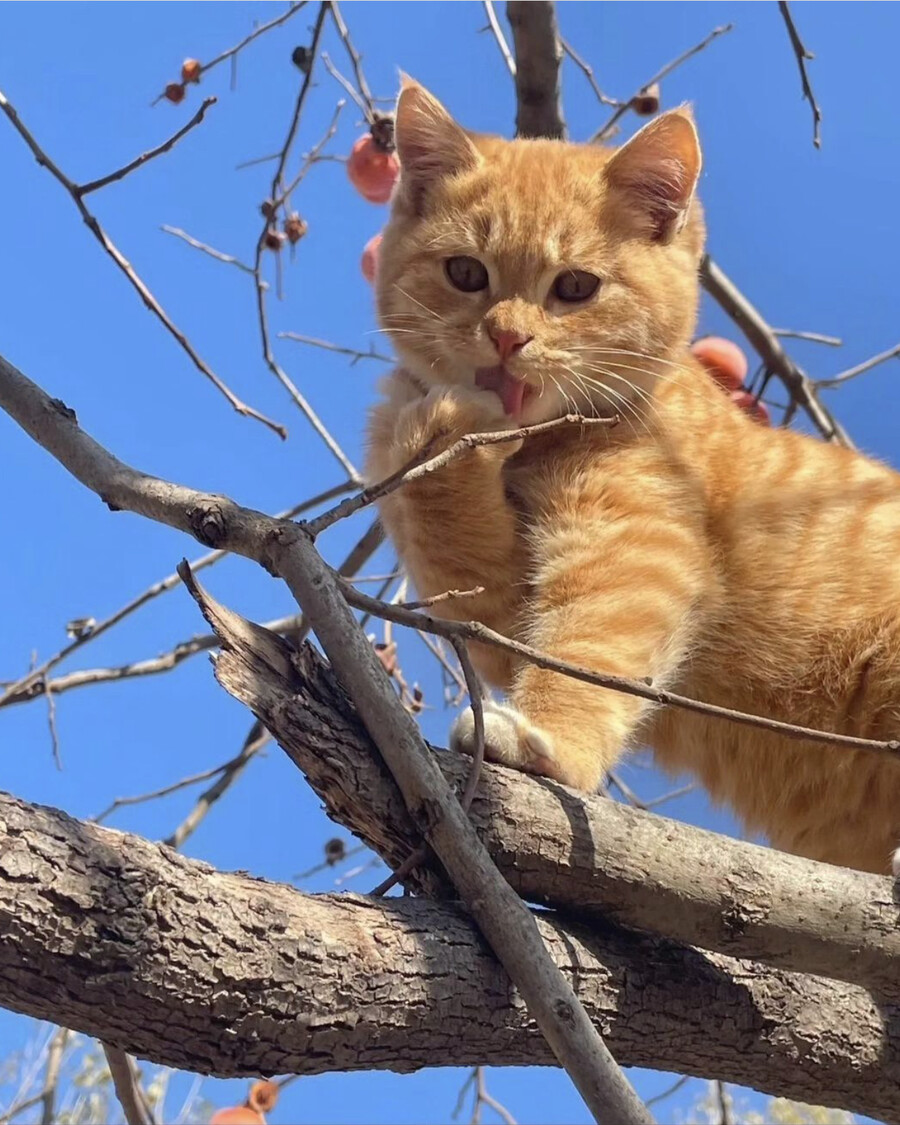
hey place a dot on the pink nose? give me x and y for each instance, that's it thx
(507, 342)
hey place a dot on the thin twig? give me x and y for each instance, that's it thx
(473, 685)
(723, 1103)
(673, 1089)
(813, 337)
(154, 794)
(312, 157)
(121, 173)
(51, 722)
(229, 259)
(55, 1051)
(588, 72)
(23, 688)
(421, 465)
(483, 1097)
(329, 347)
(608, 128)
(125, 1083)
(861, 368)
(448, 595)
(495, 27)
(257, 737)
(328, 863)
(476, 631)
(802, 55)
(276, 192)
(125, 266)
(760, 335)
(355, 61)
(232, 51)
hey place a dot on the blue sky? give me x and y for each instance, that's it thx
(811, 236)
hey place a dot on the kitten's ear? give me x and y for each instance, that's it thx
(656, 172)
(429, 142)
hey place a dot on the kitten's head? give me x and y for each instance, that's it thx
(553, 274)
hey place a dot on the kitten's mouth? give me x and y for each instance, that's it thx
(513, 392)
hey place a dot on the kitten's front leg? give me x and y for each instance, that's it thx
(616, 591)
(454, 528)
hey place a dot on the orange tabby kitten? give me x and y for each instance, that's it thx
(753, 568)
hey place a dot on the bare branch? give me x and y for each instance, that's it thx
(802, 55)
(155, 794)
(447, 596)
(422, 465)
(663, 1005)
(760, 335)
(860, 369)
(586, 856)
(365, 94)
(312, 157)
(643, 689)
(229, 259)
(277, 192)
(608, 129)
(127, 269)
(329, 347)
(588, 72)
(256, 739)
(121, 173)
(51, 721)
(25, 687)
(125, 1083)
(813, 337)
(497, 30)
(538, 59)
(261, 30)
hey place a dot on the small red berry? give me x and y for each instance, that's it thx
(175, 92)
(191, 69)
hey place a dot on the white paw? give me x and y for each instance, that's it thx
(895, 864)
(509, 738)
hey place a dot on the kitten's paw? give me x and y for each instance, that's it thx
(509, 738)
(446, 414)
(895, 864)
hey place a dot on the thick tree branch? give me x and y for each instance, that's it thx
(587, 856)
(537, 68)
(217, 973)
(288, 552)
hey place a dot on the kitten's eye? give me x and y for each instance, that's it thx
(575, 285)
(467, 274)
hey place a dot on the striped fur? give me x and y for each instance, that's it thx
(753, 568)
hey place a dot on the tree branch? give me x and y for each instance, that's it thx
(177, 950)
(150, 302)
(537, 68)
(288, 552)
(609, 128)
(121, 173)
(763, 339)
(586, 856)
(802, 55)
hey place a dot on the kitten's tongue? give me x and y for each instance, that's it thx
(511, 390)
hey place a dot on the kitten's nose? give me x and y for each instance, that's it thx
(508, 342)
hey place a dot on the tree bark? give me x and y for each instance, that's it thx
(587, 856)
(223, 974)
(538, 59)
